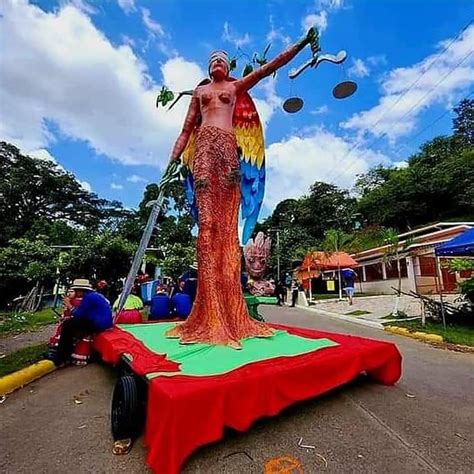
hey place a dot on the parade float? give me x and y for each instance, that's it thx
(184, 383)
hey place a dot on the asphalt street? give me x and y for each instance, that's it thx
(423, 424)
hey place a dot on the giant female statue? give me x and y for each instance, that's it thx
(221, 144)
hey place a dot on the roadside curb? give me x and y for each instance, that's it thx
(342, 317)
(421, 336)
(18, 379)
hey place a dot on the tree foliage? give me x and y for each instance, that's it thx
(437, 184)
(35, 190)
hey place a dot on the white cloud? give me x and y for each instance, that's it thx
(330, 4)
(42, 154)
(295, 163)
(59, 69)
(128, 6)
(408, 91)
(235, 38)
(116, 186)
(359, 68)
(378, 60)
(319, 20)
(134, 178)
(400, 164)
(45, 155)
(277, 34)
(319, 17)
(85, 185)
(180, 74)
(266, 100)
(324, 109)
(150, 24)
(127, 40)
(82, 5)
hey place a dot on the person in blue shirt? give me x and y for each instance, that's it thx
(160, 305)
(92, 316)
(181, 303)
(190, 283)
(348, 277)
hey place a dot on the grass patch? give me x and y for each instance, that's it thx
(21, 322)
(336, 296)
(399, 315)
(358, 312)
(22, 358)
(454, 334)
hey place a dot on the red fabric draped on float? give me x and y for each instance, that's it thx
(111, 344)
(186, 412)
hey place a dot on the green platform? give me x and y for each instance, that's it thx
(205, 359)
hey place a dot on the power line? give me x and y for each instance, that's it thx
(436, 120)
(357, 144)
(422, 74)
(377, 139)
(419, 101)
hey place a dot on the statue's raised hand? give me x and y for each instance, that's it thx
(171, 173)
(313, 39)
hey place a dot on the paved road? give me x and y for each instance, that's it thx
(362, 427)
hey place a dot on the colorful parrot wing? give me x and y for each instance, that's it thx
(187, 160)
(249, 134)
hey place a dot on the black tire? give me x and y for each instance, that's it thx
(128, 408)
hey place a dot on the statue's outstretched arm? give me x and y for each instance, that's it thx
(189, 123)
(276, 63)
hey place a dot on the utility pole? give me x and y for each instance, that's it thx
(277, 231)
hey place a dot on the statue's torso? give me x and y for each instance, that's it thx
(216, 103)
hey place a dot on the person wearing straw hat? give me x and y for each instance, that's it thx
(92, 316)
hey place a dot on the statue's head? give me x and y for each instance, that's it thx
(219, 65)
(257, 254)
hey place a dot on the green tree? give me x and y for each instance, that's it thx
(326, 206)
(436, 185)
(173, 233)
(466, 286)
(463, 124)
(35, 190)
(23, 264)
(99, 256)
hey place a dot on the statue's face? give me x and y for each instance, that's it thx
(256, 265)
(218, 69)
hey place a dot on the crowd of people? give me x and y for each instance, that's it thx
(87, 311)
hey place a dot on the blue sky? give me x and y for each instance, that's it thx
(79, 78)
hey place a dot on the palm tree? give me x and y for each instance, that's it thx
(393, 253)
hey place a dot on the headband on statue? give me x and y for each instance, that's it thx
(219, 54)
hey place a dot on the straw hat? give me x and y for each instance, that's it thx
(81, 284)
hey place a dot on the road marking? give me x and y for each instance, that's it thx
(283, 465)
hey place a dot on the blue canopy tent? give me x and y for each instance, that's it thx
(460, 246)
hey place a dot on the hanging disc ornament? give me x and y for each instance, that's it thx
(292, 105)
(344, 89)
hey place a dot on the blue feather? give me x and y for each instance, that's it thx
(252, 189)
(190, 196)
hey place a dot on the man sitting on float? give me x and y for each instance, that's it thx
(92, 316)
